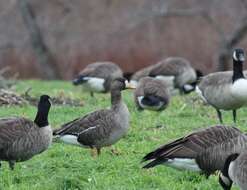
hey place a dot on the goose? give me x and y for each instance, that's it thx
(151, 94)
(235, 170)
(21, 138)
(226, 90)
(203, 151)
(97, 77)
(100, 128)
(176, 71)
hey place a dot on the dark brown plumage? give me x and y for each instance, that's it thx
(207, 148)
(100, 128)
(21, 138)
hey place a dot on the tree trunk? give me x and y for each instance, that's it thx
(46, 62)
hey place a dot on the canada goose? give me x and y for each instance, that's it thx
(234, 170)
(176, 71)
(226, 90)
(21, 138)
(100, 128)
(97, 77)
(152, 94)
(204, 151)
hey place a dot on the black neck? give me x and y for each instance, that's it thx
(227, 164)
(41, 118)
(115, 96)
(237, 70)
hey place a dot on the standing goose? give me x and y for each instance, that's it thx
(97, 77)
(21, 138)
(226, 90)
(203, 151)
(100, 128)
(151, 94)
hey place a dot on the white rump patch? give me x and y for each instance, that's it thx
(183, 164)
(70, 139)
(199, 92)
(239, 89)
(94, 84)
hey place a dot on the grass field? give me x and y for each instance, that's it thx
(67, 167)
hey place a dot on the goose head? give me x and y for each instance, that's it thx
(238, 55)
(224, 178)
(121, 84)
(44, 105)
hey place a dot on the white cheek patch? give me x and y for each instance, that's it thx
(188, 87)
(199, 92)
(225, 180)
(235, 56)
(157, 107)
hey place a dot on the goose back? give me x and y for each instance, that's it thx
(21, 139)
(100, 72)
(178, 67)
(208, 147)
(148, 86)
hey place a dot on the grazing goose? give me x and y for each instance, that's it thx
(203, 151)
(21, 138)
(226, 90)
(176, 71)
(235, 170)
(97, 77)
(151, 94)
(100, 128)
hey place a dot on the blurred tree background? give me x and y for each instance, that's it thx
(55, 39)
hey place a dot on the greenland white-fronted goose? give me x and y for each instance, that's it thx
(152, 94)
(203, 151)
(100, 128)
(97, 77)
(21, 138)
(226, 90)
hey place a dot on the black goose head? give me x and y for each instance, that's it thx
(78, 80)
(224, 179)
(44, 105)
(238, 57)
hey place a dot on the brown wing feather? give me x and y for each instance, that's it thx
(206, 146)
(80, 124)
(11, 129)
